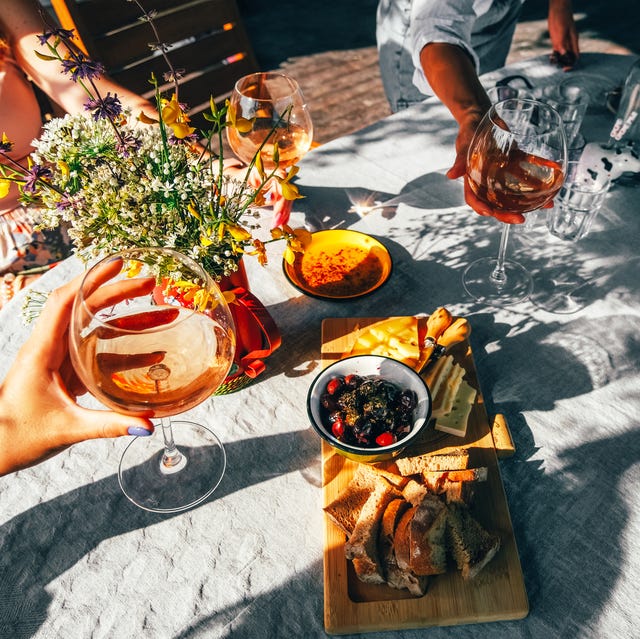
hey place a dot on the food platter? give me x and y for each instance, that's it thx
(340, 264)
(497, 593)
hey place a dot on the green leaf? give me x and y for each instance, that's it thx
(46, 58)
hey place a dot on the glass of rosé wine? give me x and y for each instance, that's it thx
(267, 112)
(516, 164)
(152, 335)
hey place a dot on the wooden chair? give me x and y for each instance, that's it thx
(207, 41)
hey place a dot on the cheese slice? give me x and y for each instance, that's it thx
(456, 421)
(395, 337)
(448, 391)
(437, 375)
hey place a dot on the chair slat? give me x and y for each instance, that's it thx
(214, 49)
(192, 58)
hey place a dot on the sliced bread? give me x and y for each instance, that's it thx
(345, 509)
(457, 459)
(427, 544)
(394, 575)
(470, 544)
(362, 545)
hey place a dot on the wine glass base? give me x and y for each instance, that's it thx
(478, 282)
(149, 487)
(563, 295)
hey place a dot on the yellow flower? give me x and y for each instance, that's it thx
(242, 125)
(289, 255)
(64, 169)
(205, 240)
(135, 267)
(4, 187)
(229, 296)
(238, 233)
(194, 211)
(145, 119)
(289, 191)
(176, 118)
(260, 251)
(297, 241)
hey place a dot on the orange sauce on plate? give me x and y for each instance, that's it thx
(340, 272)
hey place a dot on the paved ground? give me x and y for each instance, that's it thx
(330, 49)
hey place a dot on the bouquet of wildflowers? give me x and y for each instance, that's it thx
(117, 181)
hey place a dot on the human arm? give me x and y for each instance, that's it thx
(39, 416)
(22, 21)
(452, 76)
(563, 34)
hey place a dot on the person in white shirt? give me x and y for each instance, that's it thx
(440, 47)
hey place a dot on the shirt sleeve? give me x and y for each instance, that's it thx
(448, 21)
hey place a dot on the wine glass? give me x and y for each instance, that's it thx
(152, 335)
(515, 164)
(560, 288)
(269, 111)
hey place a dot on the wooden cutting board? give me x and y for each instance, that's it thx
(497, 593)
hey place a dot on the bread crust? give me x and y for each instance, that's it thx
(457, 459)
(362, 545)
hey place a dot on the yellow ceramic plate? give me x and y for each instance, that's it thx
(340, 264)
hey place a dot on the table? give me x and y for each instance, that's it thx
(78, 560)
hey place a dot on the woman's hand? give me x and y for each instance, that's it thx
(39, 416)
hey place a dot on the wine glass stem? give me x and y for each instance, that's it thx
(499, 275)
(172, 459)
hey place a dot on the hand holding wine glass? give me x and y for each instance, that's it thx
(39, 413)
(152, 335)
(515, 165)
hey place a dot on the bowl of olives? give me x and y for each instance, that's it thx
(369, 408)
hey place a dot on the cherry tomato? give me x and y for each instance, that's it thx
(384, 439)
(334, 385)
(337, 428)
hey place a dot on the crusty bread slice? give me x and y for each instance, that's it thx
(458, 491)
(345, 509)
(362, 545)
(401, 540)
(414, 492)
(470, 544)
(390, 472)
(394, 575)
(432, 478)
(457, 459)
(427, 545)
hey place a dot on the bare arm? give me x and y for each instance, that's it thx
(452, 76)
(563, 33)
(22, 22)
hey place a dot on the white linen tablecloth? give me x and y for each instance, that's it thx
(78, 560)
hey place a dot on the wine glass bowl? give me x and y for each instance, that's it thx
(270, 115)
(515, 164)
(152, 335)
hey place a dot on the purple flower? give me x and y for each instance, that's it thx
(188, 139)
(106, 107)
(35, 173)
(128, 144)
(81, 68)
(63, 34)
(64, 203)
